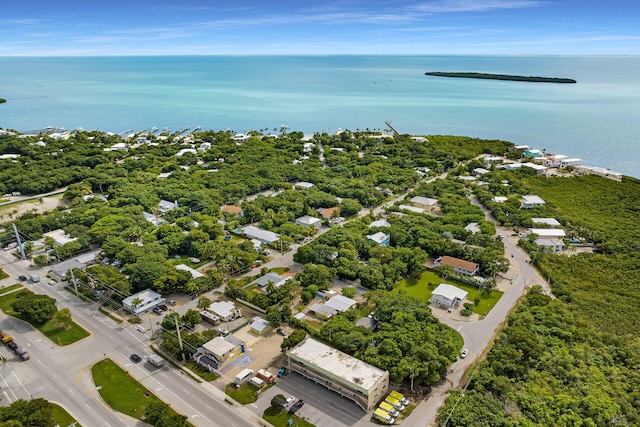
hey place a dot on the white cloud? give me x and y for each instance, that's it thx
(447, 6)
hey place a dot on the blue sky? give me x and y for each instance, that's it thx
(201, 27)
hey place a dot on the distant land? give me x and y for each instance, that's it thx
(500, 77)
(2, 100)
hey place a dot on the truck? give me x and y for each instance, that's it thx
(35, 278)
(383, 416)
(265, 376)
(243, 376)
(7, 340)
(156, 361)
(390, 409)
(400, 397)
(394, 402)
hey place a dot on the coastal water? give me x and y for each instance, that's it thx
(597, 119)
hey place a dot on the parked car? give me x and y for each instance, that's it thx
(22, 277)
(134, 357)
(296, 406)
(157, 310)
(281, 372)
(464, 353)
(171, 302)
(163, 307)
(51, 283)
(282, 332)
(289, 401)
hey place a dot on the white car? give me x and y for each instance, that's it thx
(289, 400)
(464, 353)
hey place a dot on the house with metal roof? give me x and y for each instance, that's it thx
(448, 295)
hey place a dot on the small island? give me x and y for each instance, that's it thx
(2, 100)
(500, 77)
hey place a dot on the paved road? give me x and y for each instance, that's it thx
(62, 374)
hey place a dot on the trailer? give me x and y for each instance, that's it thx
(7, 340)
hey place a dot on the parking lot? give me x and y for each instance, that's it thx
(322, 407)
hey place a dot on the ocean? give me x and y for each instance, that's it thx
(597, 119)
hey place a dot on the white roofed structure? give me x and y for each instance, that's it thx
(352, 378)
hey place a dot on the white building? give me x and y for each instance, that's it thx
(540, 170)
(532, 201)
(142, 302)
(225, 310)
(265, 236)
(424, 202)
(352, 378)
(303, 185)
(308, 221)
(379, 223)
(472, 227)
(412, 209)
(379, 238)
(555, 245)
(165, 206)
(548, 232)
(448, 295)
(500, 199)
(194, 273)
(552, 222)
(59, 237)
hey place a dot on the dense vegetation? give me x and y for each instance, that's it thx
(487, 76)
(572, 360)
(27, 413)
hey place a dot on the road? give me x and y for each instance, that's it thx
(63, 374)
(479, 335)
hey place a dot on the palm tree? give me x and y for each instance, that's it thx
(136, 303)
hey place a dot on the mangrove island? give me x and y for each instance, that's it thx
(500, 77)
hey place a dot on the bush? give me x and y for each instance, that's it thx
(466, 312)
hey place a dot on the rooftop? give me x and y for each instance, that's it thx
(379, 223)
(458, 263)
(194, 273)
(427, 201)
(450, 292)
(548, 221)
(338, 364)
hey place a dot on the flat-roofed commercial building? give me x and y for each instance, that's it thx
(352, 378)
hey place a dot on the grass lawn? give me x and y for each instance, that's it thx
(279, 270)
(280, 418)
(64, 333)
(424, 286)
(10, 288)
(314, 324)
(244, 394)
(120, 391)
(61, 416)
(3, 275)
(201, 372)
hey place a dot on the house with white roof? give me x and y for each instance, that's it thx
(265, 236)
(259, 326)
(554, 244)
(307, 221)
(379, 238)
(412, 209)
(219, 353)
(194, 273)
(547, 232)
(333, 306)
(142, 302)
(552, 222)
(225, 310)
(303, 185)
(424, 202)
(379, 223)
(60, 237)
(165, 206)
(472, 227)
(448, 295)
(532, 201)
(499, 199)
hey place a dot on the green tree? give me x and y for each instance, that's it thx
(274, 317)
(319, 275)
(293, 340)
(63, 315)
(34, 308)
(203, 302)
(191, 317)
(349, 292)
(41, 260)
(27, 413)
(278, 401)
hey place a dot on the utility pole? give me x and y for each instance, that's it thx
(175, 318)
(20, 248)
(73, 280)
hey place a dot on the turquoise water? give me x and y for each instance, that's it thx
(597, 119)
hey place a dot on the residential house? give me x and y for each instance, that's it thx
(232, 210)
(265, 236)
(194, 273)
(379, 223)
(60, 238)
(448, 295)
(333, 306)
(165, 206)
(303, 185)
(551, 222)
(225, 310)
(461, 266)
(330, 212)
(532, 201)
(472, 227)
(308, 221)
(424, 202)
(554, 244)
(273, 278)
(379, 238)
